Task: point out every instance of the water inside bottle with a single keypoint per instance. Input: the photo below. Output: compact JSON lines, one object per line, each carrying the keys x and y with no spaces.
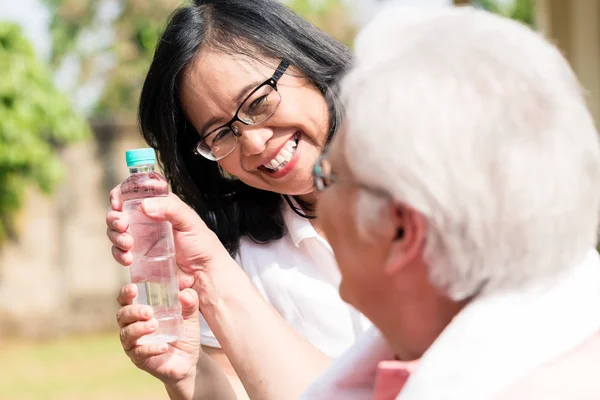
{"x":161,"y":294}
{"x":154,"y":271}
{"x":158,"y":290}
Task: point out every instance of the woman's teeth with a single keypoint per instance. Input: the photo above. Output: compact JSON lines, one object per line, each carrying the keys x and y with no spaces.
{"x":284,"y":156}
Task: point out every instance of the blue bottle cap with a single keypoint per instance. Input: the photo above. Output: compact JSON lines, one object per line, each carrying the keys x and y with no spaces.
{"x":137,"y":157}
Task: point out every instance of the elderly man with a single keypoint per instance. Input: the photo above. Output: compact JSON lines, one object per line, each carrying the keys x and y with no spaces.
{"x":462,"y":201}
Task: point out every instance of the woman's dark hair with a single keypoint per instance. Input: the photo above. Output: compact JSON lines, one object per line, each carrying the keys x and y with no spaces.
{"x":259,"y":29}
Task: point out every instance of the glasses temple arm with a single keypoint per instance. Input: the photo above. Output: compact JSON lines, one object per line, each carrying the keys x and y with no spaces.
{"x":280,"y":70}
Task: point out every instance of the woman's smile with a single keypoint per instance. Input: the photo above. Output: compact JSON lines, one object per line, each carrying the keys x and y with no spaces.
{"x":285,"y":159}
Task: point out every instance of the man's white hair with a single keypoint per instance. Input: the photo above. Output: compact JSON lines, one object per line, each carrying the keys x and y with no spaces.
{"x":480,"y":125}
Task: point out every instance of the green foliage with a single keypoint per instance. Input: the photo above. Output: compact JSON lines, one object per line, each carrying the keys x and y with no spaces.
{"x":137,"y":29}
{"x":69,"y":18}
{"x":35,"y":119}
{"x":331,"y":16}
{"x":521,"y":10}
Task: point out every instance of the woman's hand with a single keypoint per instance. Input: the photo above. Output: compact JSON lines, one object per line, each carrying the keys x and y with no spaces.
{"x":205,"y":263}
{"x":274,"y":363}
{"x":172,"y":363}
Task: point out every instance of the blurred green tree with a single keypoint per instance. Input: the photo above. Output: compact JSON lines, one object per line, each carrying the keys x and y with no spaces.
{"x":35,"y":121}
{"x":331,"y":16}
{"x":136,"y":31}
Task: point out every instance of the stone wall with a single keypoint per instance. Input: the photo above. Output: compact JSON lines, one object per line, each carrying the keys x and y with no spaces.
{"x":59,"y":276}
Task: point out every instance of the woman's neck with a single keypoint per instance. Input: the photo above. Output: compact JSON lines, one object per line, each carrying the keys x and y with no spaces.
{"x":310,"y":200}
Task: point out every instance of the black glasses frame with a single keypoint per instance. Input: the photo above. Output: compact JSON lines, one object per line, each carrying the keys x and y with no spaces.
{"x":272,"y":81}
{"x":322,"y":179}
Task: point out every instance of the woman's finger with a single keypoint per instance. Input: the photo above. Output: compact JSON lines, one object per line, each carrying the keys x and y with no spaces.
{"x":185,"y":280}
{"x":116,"y":201}
{"x":130,"y":314}
{"x":171,"y":208}
{"x":123,"y":241}
{"x":117,"y":221}
{"x":189,"y":304}
{"x":127,"y":294}
{"x":122,"y":257}
{"x":130,"y":334}
{"x":141,"y":353}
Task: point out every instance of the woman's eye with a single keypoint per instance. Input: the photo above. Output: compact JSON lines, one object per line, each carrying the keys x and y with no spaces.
{"x":221,"y":135}
{"x":257,"y":104}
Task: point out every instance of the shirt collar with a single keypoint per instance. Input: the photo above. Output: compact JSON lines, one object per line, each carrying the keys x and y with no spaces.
{"x":499,"y":339}
{"x":353,"y":374}
{"x":391,"y":378}
{"x":298,"y":228}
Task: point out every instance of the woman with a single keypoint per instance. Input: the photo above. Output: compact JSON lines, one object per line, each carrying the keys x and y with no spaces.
{"x":239,"y":101}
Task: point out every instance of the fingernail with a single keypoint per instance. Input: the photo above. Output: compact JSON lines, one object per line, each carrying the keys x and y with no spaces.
{"x":163,"y":347}
{"x":187,"y":296}
{"x":151,"y":206}
{"x":115,"y":224}
{"x":128,"y":258}
{"x":152,"y":324}
{"x":121,"y":241}
{"x":146,"y":313}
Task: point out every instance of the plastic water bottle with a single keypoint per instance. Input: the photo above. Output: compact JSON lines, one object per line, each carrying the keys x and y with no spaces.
{"x":153,"y":270}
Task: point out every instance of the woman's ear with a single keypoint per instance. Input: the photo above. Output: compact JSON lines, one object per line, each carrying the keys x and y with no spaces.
{"x":409,"y":243}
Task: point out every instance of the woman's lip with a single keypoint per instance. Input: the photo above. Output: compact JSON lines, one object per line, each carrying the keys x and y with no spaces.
{"x":288,"y":167}
{"x":261,"y":166}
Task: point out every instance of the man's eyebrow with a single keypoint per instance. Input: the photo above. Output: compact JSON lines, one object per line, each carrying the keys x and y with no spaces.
{"x":238,"y":100}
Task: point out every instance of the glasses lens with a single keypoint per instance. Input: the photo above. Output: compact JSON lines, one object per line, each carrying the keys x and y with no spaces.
{"x":218,"y":144}
{"x":260,"y":105}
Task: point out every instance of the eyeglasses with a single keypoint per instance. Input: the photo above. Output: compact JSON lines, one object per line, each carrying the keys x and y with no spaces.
{"x":256,"y":108}
{"x":323,"y":176}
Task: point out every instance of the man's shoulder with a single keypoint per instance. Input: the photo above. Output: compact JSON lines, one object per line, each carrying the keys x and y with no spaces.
{"x":573,"y":375}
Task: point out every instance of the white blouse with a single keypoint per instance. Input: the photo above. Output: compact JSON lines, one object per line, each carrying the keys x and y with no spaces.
{"x":298,"y":275}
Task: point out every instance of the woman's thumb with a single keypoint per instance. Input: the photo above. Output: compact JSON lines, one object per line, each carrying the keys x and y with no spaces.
{"x":171,"y":208}
{"x":189,"y":304}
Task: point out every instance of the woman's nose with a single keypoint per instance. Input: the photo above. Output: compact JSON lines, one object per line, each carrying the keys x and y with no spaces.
{"x":253,"y":139}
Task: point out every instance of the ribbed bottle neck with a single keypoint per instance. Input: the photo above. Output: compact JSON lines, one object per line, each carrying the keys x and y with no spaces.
{"x":141,"y":168}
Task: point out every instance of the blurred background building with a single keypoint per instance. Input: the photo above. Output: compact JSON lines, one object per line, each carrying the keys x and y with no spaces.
{"x":70,"y":76}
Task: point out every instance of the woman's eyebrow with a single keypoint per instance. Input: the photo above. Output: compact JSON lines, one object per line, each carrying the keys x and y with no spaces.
{"x":243,"y":94}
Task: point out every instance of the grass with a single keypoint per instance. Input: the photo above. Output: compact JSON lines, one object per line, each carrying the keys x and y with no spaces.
{"x":73,"y":368}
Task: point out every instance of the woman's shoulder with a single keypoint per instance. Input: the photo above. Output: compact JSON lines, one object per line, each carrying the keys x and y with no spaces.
{"x":300,"y":249}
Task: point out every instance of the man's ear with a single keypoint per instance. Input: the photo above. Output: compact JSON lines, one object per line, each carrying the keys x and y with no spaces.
{"x":409,"y":242}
